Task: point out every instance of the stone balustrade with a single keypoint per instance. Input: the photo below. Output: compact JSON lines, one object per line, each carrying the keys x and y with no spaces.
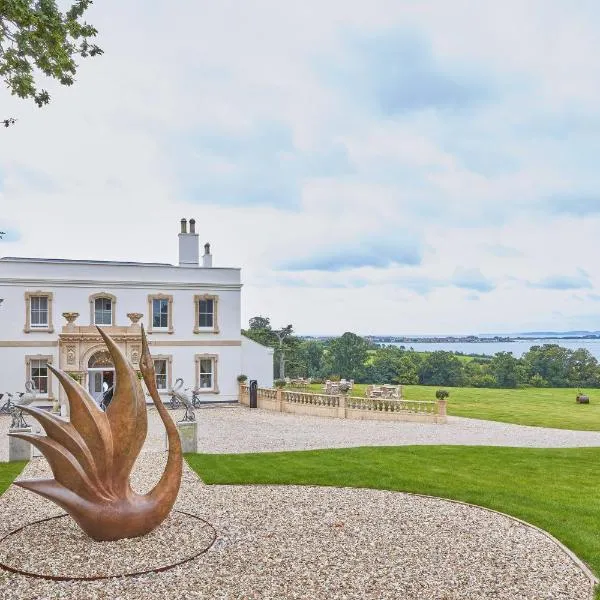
{"x":347,"y":407}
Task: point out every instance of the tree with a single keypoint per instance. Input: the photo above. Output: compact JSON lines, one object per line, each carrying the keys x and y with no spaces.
{"x":259,"y":323}
{"x":311,"y":358}
{"x":385,"y":366}
{"x":285,"y":345}
{"x":504,"y":367}
{"x":582,"y":368}
{"x":441,"y":368}
{"x":348,"y":355}
{"x":281,"y":335}
{"x":36,"y":35}
{"x":550,"y":362}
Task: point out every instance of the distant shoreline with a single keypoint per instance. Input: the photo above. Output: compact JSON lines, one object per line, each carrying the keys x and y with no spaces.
{"x":470,"y":339}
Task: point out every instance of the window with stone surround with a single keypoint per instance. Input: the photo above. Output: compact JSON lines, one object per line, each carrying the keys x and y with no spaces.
{"x":36,"y":370}
{"x":206,"y":314}
{"x":38,"y":312}
{"x":207,"y":373}
{"x":162,"y":370}
{"x":160,"y":313}
{"x":102,"y":309}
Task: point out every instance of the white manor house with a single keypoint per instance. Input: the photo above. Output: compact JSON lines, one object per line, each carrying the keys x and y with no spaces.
{"x":50,"y":310}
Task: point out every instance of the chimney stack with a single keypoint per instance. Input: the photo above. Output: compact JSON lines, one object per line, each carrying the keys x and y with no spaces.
{"x":207,"y":258}
{"x":189,"y":247}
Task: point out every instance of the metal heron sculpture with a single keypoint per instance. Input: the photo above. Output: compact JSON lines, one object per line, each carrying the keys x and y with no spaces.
{"x":184,"y":399}
{"x":91,"y":456}
{"x":25,"y":399}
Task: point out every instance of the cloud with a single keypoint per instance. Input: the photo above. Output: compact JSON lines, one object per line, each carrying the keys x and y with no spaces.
{"x":472,"y":279}
{"x":302,"y":282}
{"x":305,"y":140}
{"x":564,"y":282}
{"x":11,"y":233}
{"x":502,"y":251}
{"x":420,"y":284}
{"x":361,"y":253}
{"x":398,"y":72}
{"x":573,"y":205}
{"x":256,"y":166}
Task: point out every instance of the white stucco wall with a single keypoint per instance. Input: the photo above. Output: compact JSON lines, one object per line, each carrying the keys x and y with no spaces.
{"x":72,"y":284}
{"x":257,"y":362}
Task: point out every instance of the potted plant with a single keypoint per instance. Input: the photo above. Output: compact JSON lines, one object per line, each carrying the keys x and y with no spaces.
{"x":442,"y":394}
{"x":279,"y":383}
{"x":242,"y":378}
{"x":582,"y":398}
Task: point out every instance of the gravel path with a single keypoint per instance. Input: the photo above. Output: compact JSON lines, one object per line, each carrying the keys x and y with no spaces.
{"x":241,"y":429}
{"x":237,"y":428}
{"x":305,"y":542}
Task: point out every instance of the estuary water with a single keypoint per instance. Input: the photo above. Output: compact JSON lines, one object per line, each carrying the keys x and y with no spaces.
{"x":518,"y":347}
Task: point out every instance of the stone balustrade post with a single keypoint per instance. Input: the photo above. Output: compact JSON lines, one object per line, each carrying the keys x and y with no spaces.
{"x":441,"y":409}
{"x":341,"y":411}
{"x":279,"y":398}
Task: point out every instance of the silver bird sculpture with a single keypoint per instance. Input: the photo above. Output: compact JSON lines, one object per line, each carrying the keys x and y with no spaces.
{"x":25,"y":399}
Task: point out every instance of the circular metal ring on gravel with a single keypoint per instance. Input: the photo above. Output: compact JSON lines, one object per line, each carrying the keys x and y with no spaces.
{"x":158,"y":569}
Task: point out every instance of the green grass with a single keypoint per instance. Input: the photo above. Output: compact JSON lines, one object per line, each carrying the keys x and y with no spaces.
{"x":544,"y":407}
{"x":555,"y":489}
{"x":8,"y":472}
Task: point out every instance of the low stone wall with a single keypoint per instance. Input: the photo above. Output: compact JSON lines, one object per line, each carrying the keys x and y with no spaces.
{"x":347,"y":407}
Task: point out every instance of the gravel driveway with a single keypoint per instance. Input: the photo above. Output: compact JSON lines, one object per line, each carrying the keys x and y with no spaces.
{"x":235,"y":428}
{"x":240,"y":429}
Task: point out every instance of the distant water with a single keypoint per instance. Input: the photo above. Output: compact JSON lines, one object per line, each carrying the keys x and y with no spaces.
{"x":518,"y":347}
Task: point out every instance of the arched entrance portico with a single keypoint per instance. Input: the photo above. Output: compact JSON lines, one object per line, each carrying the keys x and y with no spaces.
{"x":101,"y":373}
{"x":83,"y":353}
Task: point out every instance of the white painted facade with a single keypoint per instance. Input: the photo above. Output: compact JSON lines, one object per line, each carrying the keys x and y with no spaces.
{"x":207,"y":350}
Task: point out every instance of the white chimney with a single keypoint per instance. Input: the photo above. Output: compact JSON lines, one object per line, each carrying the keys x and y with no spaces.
{"x":189,"y":247}
{"x":207,"y":258}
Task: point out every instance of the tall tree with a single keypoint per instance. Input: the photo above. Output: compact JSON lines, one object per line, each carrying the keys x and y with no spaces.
{"x":311,"y":358}
{"x":259,"y":323}
{"x":348,"y":355}
{"x":36,"y":36}
{"x":282,"y":340}
{"x":441,"y":368}
{"x":582,"y":368}
{"x":504,"y":367}
{"x":550,"y":362}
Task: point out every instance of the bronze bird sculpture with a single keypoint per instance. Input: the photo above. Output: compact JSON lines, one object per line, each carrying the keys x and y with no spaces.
{"x":91,"y":456}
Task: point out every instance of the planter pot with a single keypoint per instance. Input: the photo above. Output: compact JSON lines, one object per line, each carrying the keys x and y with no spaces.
{"x":581,"y":399}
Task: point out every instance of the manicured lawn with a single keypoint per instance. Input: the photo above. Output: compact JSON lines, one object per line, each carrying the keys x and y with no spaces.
{"x":555,"y":489}
{"x":8,"y":472}
{"x":545,"y":407}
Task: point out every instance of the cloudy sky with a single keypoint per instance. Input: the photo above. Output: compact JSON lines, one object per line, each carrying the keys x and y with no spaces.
{"x":390,"y":166}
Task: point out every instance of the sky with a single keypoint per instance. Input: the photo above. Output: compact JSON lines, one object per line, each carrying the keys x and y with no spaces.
{"x":381,"y":167}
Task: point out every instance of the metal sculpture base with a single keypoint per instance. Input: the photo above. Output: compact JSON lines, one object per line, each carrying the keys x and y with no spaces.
{"x":87,"y":566}
{"x":19,"y":449}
